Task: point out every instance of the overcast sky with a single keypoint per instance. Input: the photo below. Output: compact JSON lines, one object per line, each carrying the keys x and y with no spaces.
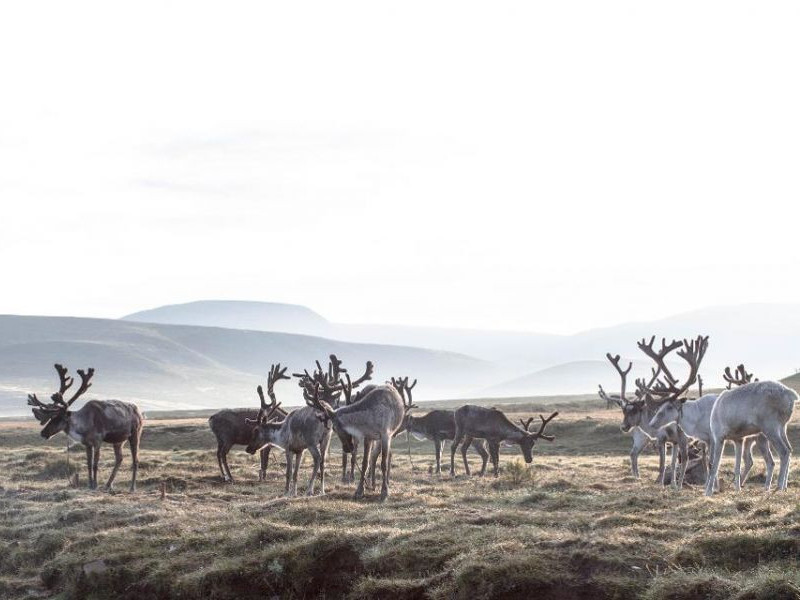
{"x":547,"y":166}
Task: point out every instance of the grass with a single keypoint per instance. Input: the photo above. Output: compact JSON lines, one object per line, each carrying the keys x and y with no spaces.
{"x":575,"y":525}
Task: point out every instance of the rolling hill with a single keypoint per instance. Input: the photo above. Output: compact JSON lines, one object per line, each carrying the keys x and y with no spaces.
{"x":180,"y":366}
{"x":764,"y":336}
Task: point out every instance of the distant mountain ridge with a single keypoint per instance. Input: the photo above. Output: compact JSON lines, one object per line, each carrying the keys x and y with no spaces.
{"x":237,"y":314}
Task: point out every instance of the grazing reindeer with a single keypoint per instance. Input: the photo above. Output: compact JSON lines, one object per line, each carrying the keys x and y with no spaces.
{"x":755,"y":407}
{"x":231,"y":426}
{"x":694,"y":419}
{"x":333,"y":375}
{"x":636,"y":415}
{"x":439,"y":426}
{"x":98,"y":421}
{"x":299,"y":431}
{"x":376,"y":417}
{"x":493,"y":426}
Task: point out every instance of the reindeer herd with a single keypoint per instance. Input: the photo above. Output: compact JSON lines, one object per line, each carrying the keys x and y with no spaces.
{"x":370,"y":416}
{"x":747,"y":413}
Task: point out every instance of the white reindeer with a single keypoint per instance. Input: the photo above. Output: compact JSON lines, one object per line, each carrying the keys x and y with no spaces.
{"x":694,"y":418}
{"x":759,"y":407}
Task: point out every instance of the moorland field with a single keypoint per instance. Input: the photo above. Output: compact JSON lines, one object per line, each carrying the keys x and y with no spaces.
{"x":574,"y":525}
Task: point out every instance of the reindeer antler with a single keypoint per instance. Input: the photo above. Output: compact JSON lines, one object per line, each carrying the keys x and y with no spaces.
{"x":540,"y":434}
{"x":85,"y":376}
{"x":692,"y":352}
{"x":65,"y":382}
{"x":623,"y":374}
{"x":742,"y":376}
{"x":526,"y":424}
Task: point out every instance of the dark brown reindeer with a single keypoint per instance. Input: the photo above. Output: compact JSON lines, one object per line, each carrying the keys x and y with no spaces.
{"x":111,"y":421}
{"x":376,"y":417}
{"x":231,"y":428}
{"x":439,"y":426}
{"x":331,"y":377}
{"x":493,"y":426}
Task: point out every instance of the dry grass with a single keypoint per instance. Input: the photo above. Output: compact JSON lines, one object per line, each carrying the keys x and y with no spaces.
{"x":576,"y":526}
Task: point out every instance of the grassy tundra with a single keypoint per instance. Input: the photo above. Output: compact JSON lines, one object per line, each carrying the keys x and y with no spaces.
{"x":576,"y":525}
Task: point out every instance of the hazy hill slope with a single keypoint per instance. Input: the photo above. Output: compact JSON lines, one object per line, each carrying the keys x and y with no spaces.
{"x":565,"y":378}
{"x":175,"y":366}
{"x":764,"y":336}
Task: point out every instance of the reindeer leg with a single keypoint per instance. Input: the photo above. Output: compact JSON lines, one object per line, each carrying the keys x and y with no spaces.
{"x":494,"y":451}
{"x":717,"y":446}
{"x":778,"y":439}
{"x":385,"y":458}
{"x":464,"y":447}
{"x":453,"y":447}
{"x":89,"y":459}
{"x":117,"y":463}
{"x":364,"y":465}
{"x":134,"y":444}
{"x":228,"y":476}
{"x":747,"y":455}
{"x":373,"y":461}
{"x":288,"y":472}
{"x":353,"y":459}
{"x":737,"y":474}
{"x":481,"y":449}
{"x":437,"y":448}
{"x":344,"y":467}
{"x":769,"y":460}
{"x":262,"y":474}
{"x":298,"y":456}
{"x":674,"y":464}
{"x":323,"y":451}
{"x":317,"y":458}
{"x":95,"y":464}
{"x":220,"y":453}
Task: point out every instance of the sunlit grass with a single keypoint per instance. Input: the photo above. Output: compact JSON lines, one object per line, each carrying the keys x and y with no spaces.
{"x":576,"y":524}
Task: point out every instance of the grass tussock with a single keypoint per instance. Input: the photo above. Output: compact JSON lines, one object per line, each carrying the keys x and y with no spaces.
{"x":574,"y":524}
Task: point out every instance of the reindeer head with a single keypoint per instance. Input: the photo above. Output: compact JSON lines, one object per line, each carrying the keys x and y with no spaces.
{"x":662,"y":386}
{"x":401,"y":385}
{"x":670,"y":411}
{"x":529,"y":440}
{"x":262,"y":432}
{"x":55,"y":416}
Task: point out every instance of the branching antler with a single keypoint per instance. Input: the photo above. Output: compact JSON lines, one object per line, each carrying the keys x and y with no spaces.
{"x":692,"y":352}
{"x":623,"y":375}
{"x":65,"y":382}
{"x":526,"y":424}
{"x":85,"y":376}
{"x":541,"y":434}
{"x":740,"y":378}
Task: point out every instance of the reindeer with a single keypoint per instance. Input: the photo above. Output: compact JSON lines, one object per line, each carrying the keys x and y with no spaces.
{"x":98,"y":421}
{"x":231,"y":426}
{"x":493,"y":426}
{"x":439,"y":426}
{"x":694,"y":418}
{"x":755,"y":407}
{"x":376,"y":417}
{"x":299,"y":431}
{"x":332,"y":376}
{"x":636,"y":414}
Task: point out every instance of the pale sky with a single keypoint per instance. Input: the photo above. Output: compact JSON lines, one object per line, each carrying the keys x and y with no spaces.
{"x":545,"y":166}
